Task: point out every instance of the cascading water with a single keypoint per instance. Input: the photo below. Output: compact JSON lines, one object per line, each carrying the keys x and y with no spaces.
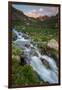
{"x":34,"y":58}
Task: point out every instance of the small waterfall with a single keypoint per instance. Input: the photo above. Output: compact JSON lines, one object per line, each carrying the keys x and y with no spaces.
{"x":45,"y":74}
{"x":34,"y":58}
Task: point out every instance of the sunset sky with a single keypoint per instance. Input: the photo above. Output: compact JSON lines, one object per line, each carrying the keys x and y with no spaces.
{"x":36,"y":11}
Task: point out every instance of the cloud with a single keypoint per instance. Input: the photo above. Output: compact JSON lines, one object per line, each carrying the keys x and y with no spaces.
{"x":34,"y":10}
{"x":33,"y":14}
{"x":40,"y":10}
{"x":49,"y":11}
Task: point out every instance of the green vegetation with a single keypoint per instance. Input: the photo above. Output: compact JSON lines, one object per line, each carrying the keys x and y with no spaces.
{"x":15,"y":50}
{"x":39,"y":34}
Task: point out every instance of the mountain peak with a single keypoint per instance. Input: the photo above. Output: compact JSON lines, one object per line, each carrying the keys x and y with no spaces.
{"x":43,"y":17}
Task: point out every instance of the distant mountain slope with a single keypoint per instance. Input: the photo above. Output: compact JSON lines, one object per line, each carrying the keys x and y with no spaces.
{"x":18,"y":16}
{"x":42,"y":18}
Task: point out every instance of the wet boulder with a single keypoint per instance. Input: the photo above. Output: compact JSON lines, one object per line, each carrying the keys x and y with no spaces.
{"x":53,"y":44}
{"x":22,"y":60}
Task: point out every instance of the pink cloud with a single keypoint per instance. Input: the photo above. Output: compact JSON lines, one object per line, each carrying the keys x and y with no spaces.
{"x":42,"y":11}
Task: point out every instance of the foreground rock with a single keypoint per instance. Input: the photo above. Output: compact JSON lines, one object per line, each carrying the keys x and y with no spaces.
{"x":53,"y":44}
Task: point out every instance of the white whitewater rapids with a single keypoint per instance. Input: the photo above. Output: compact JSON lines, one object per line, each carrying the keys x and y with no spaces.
{"x":34,"y":58}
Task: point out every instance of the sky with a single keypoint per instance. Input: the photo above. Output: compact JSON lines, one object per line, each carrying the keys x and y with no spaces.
{"x":36,"y":11}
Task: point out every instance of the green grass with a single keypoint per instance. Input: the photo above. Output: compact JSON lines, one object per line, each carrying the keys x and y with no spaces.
{"x":38,"y":33}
